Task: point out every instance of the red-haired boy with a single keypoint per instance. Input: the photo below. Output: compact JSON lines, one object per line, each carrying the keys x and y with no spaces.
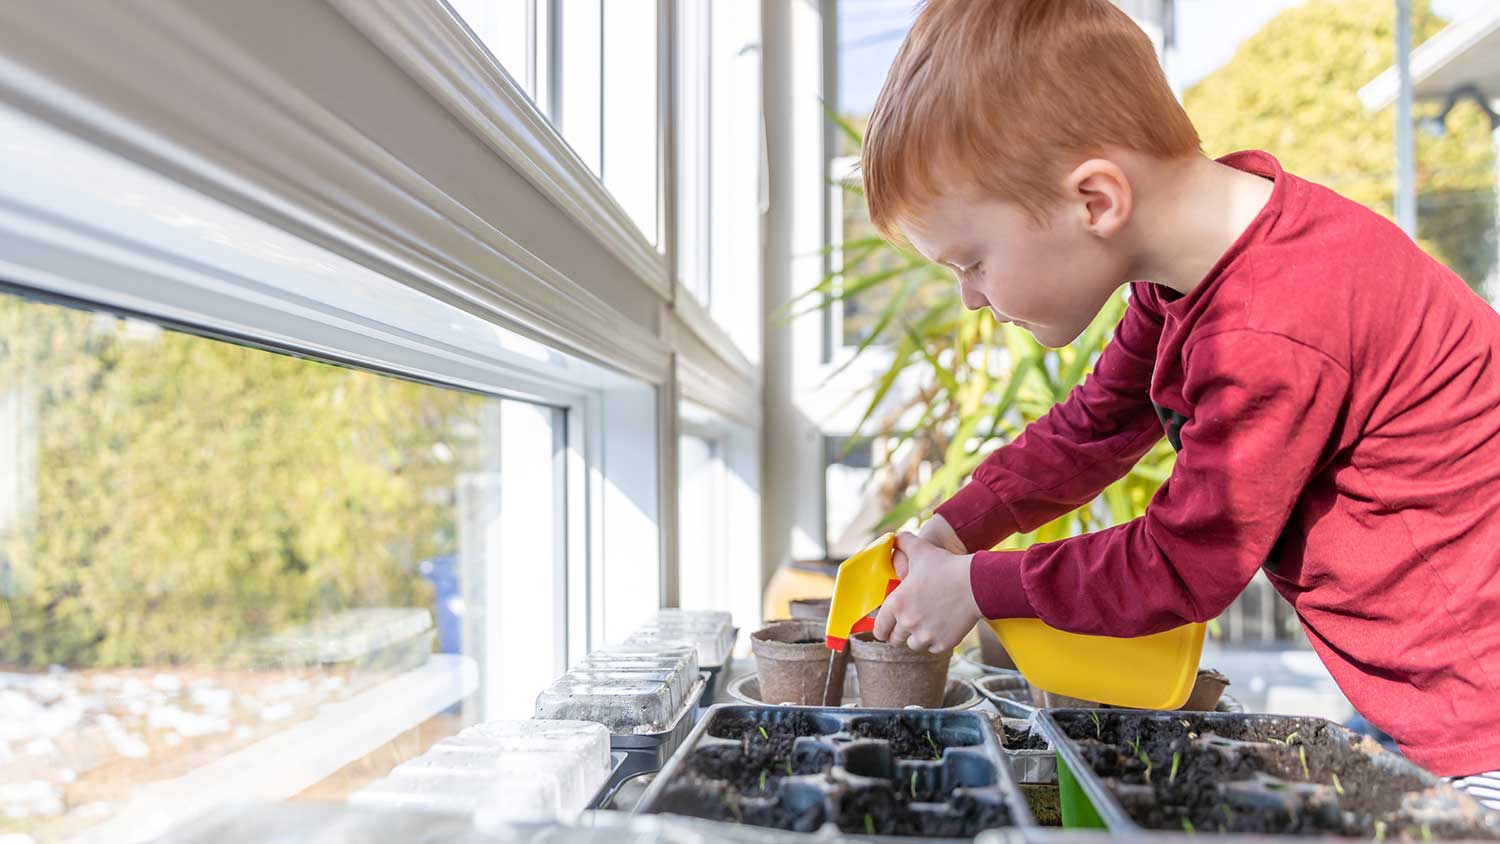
{"x":1333,"y":392}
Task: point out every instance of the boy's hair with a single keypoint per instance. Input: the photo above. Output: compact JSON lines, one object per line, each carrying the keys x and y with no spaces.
{"x":1008,"y":96}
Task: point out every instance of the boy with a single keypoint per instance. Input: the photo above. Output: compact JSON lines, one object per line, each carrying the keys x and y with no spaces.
{"x":1333,"y":392}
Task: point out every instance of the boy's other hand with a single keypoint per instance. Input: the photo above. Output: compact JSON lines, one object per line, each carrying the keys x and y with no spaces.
{"x":937,"y":531}
{"x":933,"y":609}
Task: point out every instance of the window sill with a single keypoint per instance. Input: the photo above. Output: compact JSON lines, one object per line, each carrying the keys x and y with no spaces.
{"x":299,"y":757}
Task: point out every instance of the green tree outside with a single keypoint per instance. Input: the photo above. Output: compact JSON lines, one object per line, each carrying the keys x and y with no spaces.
{"x":192,"y":495}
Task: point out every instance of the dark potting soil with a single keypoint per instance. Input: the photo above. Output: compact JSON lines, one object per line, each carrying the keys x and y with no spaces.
{"x":907,"y":742}
{"x":1023,"y":740}
{"x":701,"y":800}
{"x":1185,"y":773}
{"x":793,"y":725}
{"x":879,"y":810}
{"x":756,"y":765}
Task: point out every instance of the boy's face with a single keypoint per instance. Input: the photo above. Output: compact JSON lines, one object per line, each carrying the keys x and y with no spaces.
{"x":1050,"y":279}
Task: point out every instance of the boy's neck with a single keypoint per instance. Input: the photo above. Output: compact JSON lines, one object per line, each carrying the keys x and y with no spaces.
{"x":1197,"y":211}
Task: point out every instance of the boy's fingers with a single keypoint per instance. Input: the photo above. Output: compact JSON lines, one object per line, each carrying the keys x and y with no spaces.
{"x":901,"y":562}
{"x":885,"y":622}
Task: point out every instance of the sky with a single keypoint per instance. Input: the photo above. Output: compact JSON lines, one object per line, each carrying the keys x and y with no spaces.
{"x":1209,"y":31}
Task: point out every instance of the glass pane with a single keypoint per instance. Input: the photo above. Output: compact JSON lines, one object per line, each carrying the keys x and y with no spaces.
{"x":211,"y":553}
{"x":869,"y":34}
{"x":507,"y":28}
{"x":580,"y":32}
{"x":702,"y":563}
{"x":630,"y":109}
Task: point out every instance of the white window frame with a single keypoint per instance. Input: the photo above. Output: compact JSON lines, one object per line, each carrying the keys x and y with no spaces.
{"x":440,"y":52}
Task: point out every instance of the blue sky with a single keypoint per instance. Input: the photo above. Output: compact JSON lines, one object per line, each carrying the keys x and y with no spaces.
{"x":1209,"y":31}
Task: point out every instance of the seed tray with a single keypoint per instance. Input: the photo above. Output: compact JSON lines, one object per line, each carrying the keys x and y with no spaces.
{"x":1254,"y":775}
{"x":1008,"y":691}
{"x":869,"y":772}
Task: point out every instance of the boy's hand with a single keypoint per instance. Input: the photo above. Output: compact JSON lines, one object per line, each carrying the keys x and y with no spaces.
{"x":933,"y":609}
{"x":937,"y":531}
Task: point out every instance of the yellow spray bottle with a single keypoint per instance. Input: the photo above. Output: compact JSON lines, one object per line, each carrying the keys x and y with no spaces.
{"x":1145,"y":672}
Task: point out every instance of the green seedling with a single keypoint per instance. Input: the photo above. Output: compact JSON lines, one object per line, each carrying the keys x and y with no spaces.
{"x":936,"y":754}
{"x":1187,"y":826}
{"x":1141,"y":755}
{"x":869,"y":824}
{"x":1098,"y":730}
{"x":732,"y":801}
{"x":1337,"y":786}
{"x":763,"y":734}
{"x":914,"y":784}
{"x":1228,"y":813}
{"x":1379,"y":831}
{"x":1426,"y":834}
{"x":1302,"y":754}
{"x":762,"y":780}
{"x":789,"y":766}
{"x":1176,"y":760}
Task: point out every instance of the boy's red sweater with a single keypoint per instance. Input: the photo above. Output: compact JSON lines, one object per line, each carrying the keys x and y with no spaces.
{"x":1335,"y":396}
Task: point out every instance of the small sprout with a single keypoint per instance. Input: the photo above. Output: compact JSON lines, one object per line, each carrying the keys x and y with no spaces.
{"x":1426,"y":834}
{"x":762,"y":780}
{"x":732,"y":801}
{"x":1098,"y":729}
{"x":1147,"y":759}
{"x":869,"y":824}
{"x":1379,"y":831}
{"x":914,"y":785}
{"x":1192,"y":735}
{"x":763,"y":733}
{"x":1291,"y":737}
{"x":1184,"y":723}
{"x":1176,"y":760}
{"x":1187,"y":826}
{"x":936,"y":754}
{"x":1135,"y":745}
{"x":1338,"y":786}
{"x":1302,"y":754}
{"x":1228,"y":813}
{"x":789,"y":766}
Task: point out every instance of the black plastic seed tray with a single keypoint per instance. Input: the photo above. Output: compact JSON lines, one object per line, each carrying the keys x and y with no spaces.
{"x":1255,"y":775}
{"x":869,"y":772}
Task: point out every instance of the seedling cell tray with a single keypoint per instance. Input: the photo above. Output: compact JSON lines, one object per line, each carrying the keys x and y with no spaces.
{"x":868,"y":772}
{"x":1254,"y":775}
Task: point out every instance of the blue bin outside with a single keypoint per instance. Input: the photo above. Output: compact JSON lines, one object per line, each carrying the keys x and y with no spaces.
{"x":442,"y":573}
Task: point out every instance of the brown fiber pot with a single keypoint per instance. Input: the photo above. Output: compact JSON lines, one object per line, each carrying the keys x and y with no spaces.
{"x":811,"y":609}
{"x":1206,"y":692}
{"x":893,"y":676}
{"x":790,"y":672}
{"x":991,"y":652}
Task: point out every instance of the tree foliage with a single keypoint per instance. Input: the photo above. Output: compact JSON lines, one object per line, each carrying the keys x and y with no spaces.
{"x":1293,"y":89}
{"x":192,"y":494}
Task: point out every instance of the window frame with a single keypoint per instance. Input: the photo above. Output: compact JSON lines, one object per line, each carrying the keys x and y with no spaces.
{"x":434,"y":45}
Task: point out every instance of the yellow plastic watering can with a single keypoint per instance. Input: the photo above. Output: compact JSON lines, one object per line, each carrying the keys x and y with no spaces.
{"x":1147,"y":672}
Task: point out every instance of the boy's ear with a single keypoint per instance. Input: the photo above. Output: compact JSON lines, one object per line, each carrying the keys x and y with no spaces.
{"x":1100,"y":191}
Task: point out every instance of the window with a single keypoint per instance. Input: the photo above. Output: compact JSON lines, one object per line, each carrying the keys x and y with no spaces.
{"x":718,"y":522}
{"x":214,"y":547}
{"x":250,"y":489}
{"x":719,"y":159}
{"x":869,"y":33}
{"x":591,"y":67}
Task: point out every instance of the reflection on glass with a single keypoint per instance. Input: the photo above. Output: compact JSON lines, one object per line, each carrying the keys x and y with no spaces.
{"x":208,"y":549}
